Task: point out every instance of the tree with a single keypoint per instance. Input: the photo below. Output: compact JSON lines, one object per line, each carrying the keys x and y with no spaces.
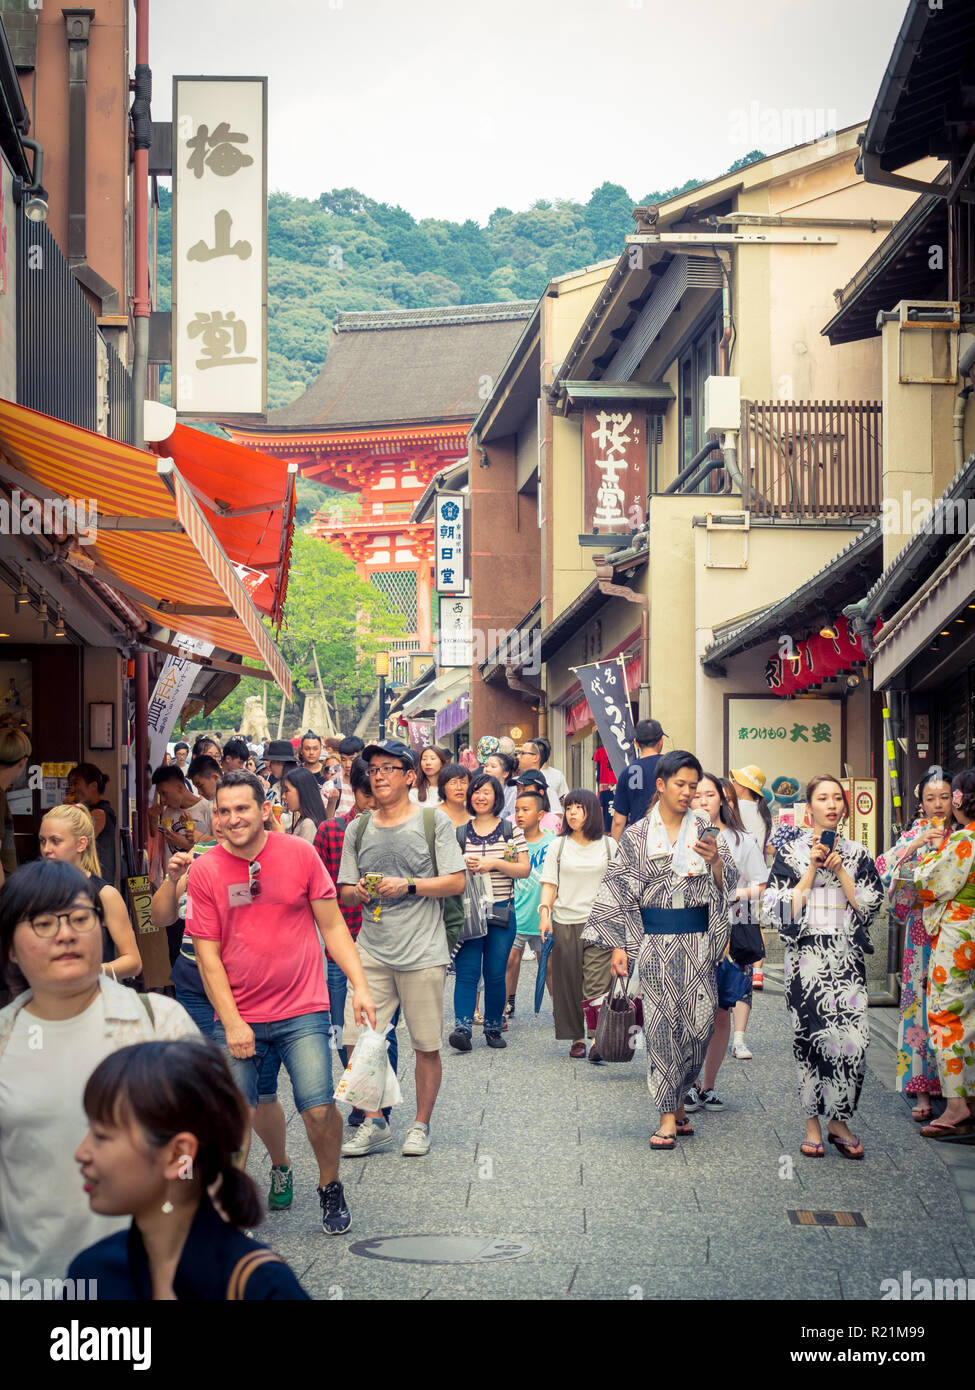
{"x":329,"y":607}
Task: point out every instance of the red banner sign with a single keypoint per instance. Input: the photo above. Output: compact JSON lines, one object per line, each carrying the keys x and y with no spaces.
{"x":799,"y":665}
{"x":615,"y":461}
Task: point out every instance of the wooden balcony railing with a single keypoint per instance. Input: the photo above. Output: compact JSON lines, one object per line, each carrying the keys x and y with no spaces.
{"x":815,"y":459}
{"x":365,"y":514}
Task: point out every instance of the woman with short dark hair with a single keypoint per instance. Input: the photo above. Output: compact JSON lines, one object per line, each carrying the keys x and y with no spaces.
{"x":572,"y":875}
{"x":663,"y":908}
{"x":51,"y":951}
{"x":495,"y":850}
{"x":166,"y":1123}
{"x":301,"y":795}
{"x":86,"y":787}
{"x":946,"y":880}
{"x":503,"y":766}
{"x":453,"y":781}
{"x":823,"y":893}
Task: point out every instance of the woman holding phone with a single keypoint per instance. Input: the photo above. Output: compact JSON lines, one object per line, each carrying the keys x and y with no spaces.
{"x":823,"y":893}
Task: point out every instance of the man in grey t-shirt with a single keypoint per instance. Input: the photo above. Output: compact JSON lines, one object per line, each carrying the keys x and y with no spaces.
{"x":402,"y":944}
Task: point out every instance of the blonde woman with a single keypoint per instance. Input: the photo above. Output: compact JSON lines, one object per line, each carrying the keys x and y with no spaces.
{"x":67,"y":834}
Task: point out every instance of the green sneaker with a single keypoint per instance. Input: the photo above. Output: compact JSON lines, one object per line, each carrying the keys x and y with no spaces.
{"x":282,"y":1187}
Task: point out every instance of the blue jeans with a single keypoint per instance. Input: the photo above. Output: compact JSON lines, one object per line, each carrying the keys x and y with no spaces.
{"x":203,"y":1014}
{"x":488,"y":953}
{"x":338,"y":988}
{"x":303,"y":1044}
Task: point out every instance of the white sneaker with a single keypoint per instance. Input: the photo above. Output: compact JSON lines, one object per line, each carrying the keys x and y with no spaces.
{"x":417,"y":1141}
{"x":367,"y":1139}
{"x":741,"y":1051}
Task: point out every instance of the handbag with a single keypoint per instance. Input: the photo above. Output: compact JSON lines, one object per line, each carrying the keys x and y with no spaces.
{"x":732,"y":984}
{"x":747,"y":944}
{"x":616,"y":1026}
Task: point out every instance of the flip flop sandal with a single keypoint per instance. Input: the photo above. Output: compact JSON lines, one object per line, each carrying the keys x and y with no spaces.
{"x":811,"y":1150}
{"x":843,"y":1146}
{"x":938,"y":1129}
{"x":662,"y":1148}
{"x":685,"y":1128}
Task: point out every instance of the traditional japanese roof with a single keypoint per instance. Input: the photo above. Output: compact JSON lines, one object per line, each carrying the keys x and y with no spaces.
{"x":842,"y":580}
{"x":404,"y":366}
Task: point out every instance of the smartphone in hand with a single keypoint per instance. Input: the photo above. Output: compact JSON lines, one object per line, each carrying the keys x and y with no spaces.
{"x":828,"y":838}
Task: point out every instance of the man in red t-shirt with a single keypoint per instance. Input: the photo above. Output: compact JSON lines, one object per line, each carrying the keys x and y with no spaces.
{"x":256,"y":905}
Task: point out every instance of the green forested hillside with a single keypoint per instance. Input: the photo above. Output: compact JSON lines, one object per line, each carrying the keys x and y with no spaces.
{"x":344,"y":251}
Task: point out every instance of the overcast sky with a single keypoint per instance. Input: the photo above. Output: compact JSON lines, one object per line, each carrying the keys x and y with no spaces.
{"x":452,"y":108}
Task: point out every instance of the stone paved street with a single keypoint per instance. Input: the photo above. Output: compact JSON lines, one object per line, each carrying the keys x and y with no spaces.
{"x":530,"y":1145}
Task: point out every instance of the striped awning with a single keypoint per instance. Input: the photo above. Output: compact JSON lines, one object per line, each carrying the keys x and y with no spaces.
{"x":151,"y":541}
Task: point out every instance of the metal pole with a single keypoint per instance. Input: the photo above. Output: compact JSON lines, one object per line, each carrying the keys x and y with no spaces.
{"x":141,"y":750}
{"x":382,"y":708}
{"x":141,"y":303}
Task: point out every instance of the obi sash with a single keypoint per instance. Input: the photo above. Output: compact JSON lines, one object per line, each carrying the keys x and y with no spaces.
{"x":673,"y":921}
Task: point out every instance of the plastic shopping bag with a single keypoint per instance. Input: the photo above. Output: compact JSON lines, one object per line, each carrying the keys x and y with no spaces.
{"x":365,"y":1081}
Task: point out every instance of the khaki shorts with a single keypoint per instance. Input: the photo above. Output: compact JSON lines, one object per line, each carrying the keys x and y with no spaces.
{"x":418,"y":992}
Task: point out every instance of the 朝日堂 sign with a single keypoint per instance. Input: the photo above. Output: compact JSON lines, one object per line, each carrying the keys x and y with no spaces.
{"x":448,"y":536}
{"x":615,"y":463}
{"x":219,"y":245}
{"x":793,"y":741}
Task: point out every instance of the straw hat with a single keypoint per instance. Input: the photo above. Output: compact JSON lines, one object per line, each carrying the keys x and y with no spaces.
{"x":750,"y":776}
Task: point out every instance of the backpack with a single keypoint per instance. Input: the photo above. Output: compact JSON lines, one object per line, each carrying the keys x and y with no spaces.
{"x":452,"y":908}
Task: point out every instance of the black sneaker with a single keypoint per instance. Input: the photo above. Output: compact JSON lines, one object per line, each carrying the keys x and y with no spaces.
{"x":460,"y":1039}
{"x":710,"y":1101}
{"x":493,"y":1038}
{"x":336,"y":1217}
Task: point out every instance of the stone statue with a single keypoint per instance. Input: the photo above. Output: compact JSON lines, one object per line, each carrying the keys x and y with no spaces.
{"x":253,"y":726}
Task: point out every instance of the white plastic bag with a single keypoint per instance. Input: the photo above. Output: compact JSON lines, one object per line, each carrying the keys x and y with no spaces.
{"x":365,"y":1081}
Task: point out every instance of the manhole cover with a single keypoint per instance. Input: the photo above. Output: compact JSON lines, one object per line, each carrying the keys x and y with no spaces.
{"x":441,"y":1250}
{"x":827,"y":1218}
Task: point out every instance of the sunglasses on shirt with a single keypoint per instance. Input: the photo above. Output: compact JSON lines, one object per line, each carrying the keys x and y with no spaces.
{"x":254,"y":878}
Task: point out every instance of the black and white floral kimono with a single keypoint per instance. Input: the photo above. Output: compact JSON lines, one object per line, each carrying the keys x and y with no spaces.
{"x":648,"y":886}
{"x":825,"y":977}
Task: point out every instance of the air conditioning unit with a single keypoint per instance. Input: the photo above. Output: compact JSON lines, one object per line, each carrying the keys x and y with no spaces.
{"x":722,"y":404}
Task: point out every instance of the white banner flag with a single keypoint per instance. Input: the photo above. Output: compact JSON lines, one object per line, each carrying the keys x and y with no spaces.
{"x":168,"y":698}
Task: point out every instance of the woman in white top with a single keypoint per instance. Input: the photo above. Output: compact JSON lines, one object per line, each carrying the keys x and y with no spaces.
{"x":432,"y":762}
{"x":572,"y":875}
{"x":301,"y":795}
{"x":52,"y":1036}
{"x":749,"y":783}
{"x":712,"y":799}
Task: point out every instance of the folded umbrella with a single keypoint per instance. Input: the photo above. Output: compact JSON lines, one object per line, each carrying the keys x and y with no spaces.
{"x":547,"y":945}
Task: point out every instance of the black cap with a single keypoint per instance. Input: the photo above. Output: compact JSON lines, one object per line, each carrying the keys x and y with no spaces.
{"x":648,"y":732}
{"x":394,"y":748}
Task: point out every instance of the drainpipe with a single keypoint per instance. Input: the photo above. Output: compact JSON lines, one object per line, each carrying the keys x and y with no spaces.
{"x":604,"y":576}
{"x":966,"y":363}
{"x":723,"y":362}
{"x":142,"y":139}
{"x":78,"y":27}
{"x":141,"y":749}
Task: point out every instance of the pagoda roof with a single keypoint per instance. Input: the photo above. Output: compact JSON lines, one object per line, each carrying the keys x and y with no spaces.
{"x":407,"y":366}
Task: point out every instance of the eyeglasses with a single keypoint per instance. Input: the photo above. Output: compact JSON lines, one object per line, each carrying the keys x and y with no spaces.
{"x":254,"y":878}
{"x":47,"y":924}
{"x":385,"y":770}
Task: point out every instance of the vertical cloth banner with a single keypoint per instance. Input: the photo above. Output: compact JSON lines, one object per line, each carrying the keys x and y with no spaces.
{"x":604,"y":686}
{"x":169,"y":696}
{"x":421,"y":735}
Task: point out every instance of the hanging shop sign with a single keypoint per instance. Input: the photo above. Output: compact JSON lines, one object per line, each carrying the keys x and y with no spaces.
{"x":800,"y":665}
{"x":174,"y":684}
{"x":604,"y":686}
{"x":448,"y":530}
{"x":455,"y":637}
{"x":788,"y":750}
{"x":615,"y":468}
{"x":420,"y":733}
{"x":219,"y":290}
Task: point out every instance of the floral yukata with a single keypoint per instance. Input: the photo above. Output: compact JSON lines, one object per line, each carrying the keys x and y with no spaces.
{"x":825,"y":978}
{"x":676,"y":971}
{"x":917,"y":1067}
{"x":946,"y":880}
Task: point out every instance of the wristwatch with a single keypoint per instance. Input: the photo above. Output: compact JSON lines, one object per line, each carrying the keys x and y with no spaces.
{"x":411,"y":887}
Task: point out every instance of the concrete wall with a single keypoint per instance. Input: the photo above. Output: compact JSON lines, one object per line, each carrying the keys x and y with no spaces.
{"x":107,"y":145}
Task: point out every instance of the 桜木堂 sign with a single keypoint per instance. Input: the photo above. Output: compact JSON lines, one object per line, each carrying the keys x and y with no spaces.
{"x":615,"y":467}
{"x":219,"y":246}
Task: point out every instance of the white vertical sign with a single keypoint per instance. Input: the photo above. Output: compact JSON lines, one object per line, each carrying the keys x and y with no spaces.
{"x":456,"y":635}
{"x":169,"y":696}
{"x":448,"y":535}
{"x":220,"y":246}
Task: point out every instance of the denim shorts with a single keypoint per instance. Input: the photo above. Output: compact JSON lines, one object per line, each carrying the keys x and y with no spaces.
{"x":202,"y":1012}
{"x":303,"y":1044}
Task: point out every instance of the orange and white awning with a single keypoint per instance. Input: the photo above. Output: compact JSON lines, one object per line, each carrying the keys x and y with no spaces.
{"x":151,"y":541}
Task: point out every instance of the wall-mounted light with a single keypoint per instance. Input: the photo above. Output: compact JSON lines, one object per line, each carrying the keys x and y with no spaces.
{"x":22,"y":595}
{"x":829,"y":632}
{"x":59,"y":626}
{"x":32,"y":195}
{"x":852,"y":681}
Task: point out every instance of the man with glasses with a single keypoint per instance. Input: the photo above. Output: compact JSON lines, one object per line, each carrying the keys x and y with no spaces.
{"x":256,"y":905}
{"x":402,"y":944}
